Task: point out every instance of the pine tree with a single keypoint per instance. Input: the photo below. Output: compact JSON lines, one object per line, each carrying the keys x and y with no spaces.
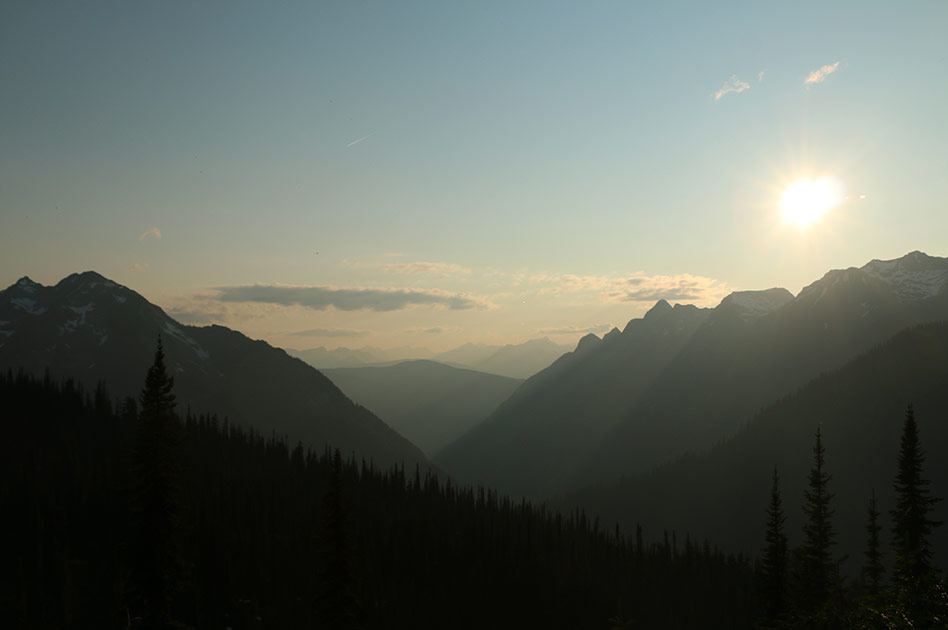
{"x":818,"y":571}
{"x":872,"y":571}
{"x":913,"y":574}
{"x":774,"y":563}
{"x":154,"y":561}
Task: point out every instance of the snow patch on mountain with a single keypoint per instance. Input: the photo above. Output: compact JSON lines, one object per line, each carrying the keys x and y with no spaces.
{"x":755,"y":304}
{"x":913,"y":277}
{"x":28,"y":305}
{"x":179,"y":334}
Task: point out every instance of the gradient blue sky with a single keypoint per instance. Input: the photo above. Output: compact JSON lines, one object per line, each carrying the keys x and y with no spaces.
{"x":488,"y":171}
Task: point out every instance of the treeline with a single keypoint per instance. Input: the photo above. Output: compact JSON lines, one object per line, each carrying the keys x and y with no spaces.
{"x":130,"y":515}
{"x":804,"y":587}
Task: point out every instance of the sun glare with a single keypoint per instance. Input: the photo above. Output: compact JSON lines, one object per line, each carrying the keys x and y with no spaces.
{"x":807,"y":200}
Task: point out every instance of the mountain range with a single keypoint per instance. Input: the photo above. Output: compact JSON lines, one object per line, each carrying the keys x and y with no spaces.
{"x":92,"y":329}
{"x":683,"y":378}
{"x":512,"y":360}
{"x":430,"y":403}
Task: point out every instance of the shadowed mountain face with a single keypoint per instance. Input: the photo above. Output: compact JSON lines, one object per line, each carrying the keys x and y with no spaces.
{"x":90,"y":328}
{"x":429,"y":403}
{"x":723,"y":494}
{"x":683,"y":378}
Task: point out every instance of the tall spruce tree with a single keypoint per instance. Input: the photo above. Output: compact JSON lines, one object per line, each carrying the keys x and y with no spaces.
{"x":818,"y":571}
{"x":774,"y":563}
{"x":872,"y":571}
{"x":154,"y":561}
{"x":913,"y":575}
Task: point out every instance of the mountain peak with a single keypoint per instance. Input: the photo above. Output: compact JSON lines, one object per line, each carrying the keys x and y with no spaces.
{"x":915,"y":275}
{"x":90,"y":279}
{"x":588,"y":342}
{"x":27,"y":285}
{"x":661,"y":308}
{"x":753,"y":304}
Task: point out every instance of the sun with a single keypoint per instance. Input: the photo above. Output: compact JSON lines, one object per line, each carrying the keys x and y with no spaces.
{"x":805,"y":201}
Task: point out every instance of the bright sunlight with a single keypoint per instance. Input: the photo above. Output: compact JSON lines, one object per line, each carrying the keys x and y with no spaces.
{"x":806,"y":200}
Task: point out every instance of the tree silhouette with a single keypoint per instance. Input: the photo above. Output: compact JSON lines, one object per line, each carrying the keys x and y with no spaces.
{"x":154,"y":562}
{"x":774,"y":562}
{"x":913,"y":575}
{"x":818,"y":571}
{"x":872,"y":571}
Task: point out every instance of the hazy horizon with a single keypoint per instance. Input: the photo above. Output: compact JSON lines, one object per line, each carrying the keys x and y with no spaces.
{"x":354,"y":175}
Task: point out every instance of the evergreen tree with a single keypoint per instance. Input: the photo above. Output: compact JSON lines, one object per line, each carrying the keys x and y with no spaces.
{"x":818,"y":571}
{"x":337,"y":600}
{"x":774,"y":563}
{"x":913,"y":575}
{"x":872,"y":571}
{"x":154,"y":562}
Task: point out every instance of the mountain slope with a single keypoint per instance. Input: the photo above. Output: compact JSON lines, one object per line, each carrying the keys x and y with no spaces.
{"x":91,"y":328}
{"x":723,"y":494}
{"x":429,"y":403}
{"x":734,"y":365}
{"x":533,"y":442}
{"x":684,"y":378}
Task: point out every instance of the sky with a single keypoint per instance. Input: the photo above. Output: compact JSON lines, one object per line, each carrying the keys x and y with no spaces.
{"x":427,"y":174}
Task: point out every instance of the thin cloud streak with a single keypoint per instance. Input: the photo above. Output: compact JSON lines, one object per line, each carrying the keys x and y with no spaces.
{"x":354,"y":142}
{"x":346,"y":299}
{"x":328,"y":332}
{"x":572,"y":330}
{"x":153,"y":231}
{"x":731,"y":85}
{"x":818,"y":76}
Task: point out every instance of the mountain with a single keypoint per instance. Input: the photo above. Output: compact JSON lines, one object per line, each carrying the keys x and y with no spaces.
{"x":521,"y":360}
{"x":341,"y":357}
{"x":91,"y":328}
{"x":514,"y":360}
{"x":430,"y":403}
{"x":723,"y":493}
{"x":321,"y":358}
{"x":533,"y":443}
{"x":683,"y":378}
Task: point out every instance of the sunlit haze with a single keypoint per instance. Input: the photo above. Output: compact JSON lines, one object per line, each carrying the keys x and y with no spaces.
{"x":429,"y":174}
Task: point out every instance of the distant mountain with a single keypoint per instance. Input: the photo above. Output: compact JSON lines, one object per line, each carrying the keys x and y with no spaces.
{"x":723,"y":494}
{"x":92,"y":329}
{"x":430,"y":403}
{"x":534,"y":442}
{"x":683,"y":378}
{"x":522,"y":360}
{"x":514,"y":360}
{"x":321,"y":358}
{"x":341,"y":357}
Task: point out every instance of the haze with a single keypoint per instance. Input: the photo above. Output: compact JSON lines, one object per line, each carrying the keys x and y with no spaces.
{"x":429,"y":175}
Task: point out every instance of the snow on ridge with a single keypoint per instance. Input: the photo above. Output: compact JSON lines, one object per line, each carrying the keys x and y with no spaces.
{"x":755,"y":304}
{"x":178,"y":334}
{"x":907,"y":282}
{"x":28,"y":305}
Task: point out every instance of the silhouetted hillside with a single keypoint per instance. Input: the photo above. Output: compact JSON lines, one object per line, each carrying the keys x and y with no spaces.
{"x":723,"y":494}
{"x":93,"y":329}
{"x":430,"y":403}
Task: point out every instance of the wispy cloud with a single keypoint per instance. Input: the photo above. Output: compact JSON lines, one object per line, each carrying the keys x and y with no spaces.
{"x":416,"y":268}
{"x":698,"y":290}
{"x":153,"y":231}
{"x":137,"y":268}
{"x":354,"y":142}
{"x":760,"y":75}
{"x":637,"y":287}
{"x":818,"y":76}
{"x":731,"y":85}
{"x":346,"y":299}
{"x":329,"y":332}
{"x":408,"y":268}
{"x":573,"y":330}
{"x":198,"y":314}
{"x":435,"y":330}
